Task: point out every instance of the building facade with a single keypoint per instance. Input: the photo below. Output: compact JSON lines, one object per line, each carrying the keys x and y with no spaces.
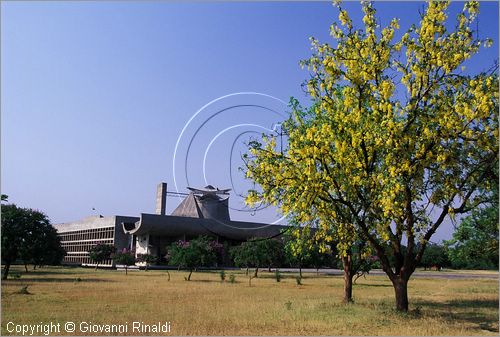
{"x":203,"y":211}
{"x":78,"y":237}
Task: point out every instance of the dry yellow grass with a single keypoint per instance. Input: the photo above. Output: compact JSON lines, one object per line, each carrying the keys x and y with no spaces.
{"x":206,"y":306}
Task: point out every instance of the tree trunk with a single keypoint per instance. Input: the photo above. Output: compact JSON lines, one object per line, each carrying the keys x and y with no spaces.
{"x":401,"y":291}
{"x":269,"y":269}
{"x":300,"y":271}
{"x":256,"y":271}
{"x":246,"y":272}
{"x":97,"y":265}
{"x":26,"y":267}
{"x":348,"y":288}
{"x":6,"y":271}
{"x":189,"y":276}
{"x":126,"y":270}
{"x":348,"y":275}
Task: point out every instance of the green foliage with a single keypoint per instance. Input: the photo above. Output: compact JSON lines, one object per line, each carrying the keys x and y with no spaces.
{"x":124,"y":257}
{"x":304,"y":249}
{"x":147,"y":259}
{"x":198,"y":252}
{"x":435,"y":256}
{"x":13,"y":232}
{"x":42,"y":246}
{"x":358,"y":261}
{"x":258,"y":253}
{"x":101,"y":252}
{"x":397,"y":139}
{"x":28,"y":235}
{"x":474,"y":244}
{"x":222,"y":275}
{"x":232,"y":278}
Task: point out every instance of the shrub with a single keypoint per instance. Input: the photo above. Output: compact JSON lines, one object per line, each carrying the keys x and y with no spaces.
{"x":198,"y":252}
{"x":124,"y":257}
{"x":100,"y":253}
{"x":147,"y":259}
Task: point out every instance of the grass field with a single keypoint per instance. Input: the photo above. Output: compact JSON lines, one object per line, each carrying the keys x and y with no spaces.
{"x":207,"y":306}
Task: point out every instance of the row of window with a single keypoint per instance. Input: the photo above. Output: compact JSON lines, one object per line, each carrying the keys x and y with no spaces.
{"x":78,"y":243}
{"x":83,"y":259}
{"x":88,"y":234}
{"x":83,"y":246}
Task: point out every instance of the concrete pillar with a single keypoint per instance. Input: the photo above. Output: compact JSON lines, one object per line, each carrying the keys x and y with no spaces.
{"x":141,"y":247}
{"x":161,"y":199}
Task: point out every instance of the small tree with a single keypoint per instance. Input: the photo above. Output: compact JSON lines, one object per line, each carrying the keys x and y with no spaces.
{"x":100,"y":253}
{"x":193,"y":254}
{"x":124,"y":257}
{"x":257,"y":253}
{"x":243,"y":256}
{"x":147,"y":259}
{"x":297,"y":247}
{"x":274,"y":253}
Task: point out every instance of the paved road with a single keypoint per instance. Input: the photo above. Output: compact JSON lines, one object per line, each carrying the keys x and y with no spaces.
{"x":338,"y":272}
{"x":419,"y":274}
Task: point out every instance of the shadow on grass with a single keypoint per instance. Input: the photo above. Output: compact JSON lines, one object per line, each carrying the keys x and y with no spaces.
{"x":44,"y":272}
{"x":372,"y":285}
{"x":468,"y":311}
{"x":478,"y":303}
{"x":55,"y":279}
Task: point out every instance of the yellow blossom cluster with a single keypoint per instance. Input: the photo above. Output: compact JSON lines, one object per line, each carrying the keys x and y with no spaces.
{"x":395,"y":125}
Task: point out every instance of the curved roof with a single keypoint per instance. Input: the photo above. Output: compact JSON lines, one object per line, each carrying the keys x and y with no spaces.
{"x":209,"y":189}
{"x":170,"y":225}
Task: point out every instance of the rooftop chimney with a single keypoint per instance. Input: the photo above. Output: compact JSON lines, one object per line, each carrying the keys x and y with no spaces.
{"x":161,"y":198}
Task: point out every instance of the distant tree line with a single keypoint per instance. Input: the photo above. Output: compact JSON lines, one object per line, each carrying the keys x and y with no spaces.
{"x":29,"y":238}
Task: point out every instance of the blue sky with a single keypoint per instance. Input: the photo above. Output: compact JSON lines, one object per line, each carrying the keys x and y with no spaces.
{"x":94,"y":95}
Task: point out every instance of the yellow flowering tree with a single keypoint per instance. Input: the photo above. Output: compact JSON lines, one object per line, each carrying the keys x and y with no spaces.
{"x":398,"y":138}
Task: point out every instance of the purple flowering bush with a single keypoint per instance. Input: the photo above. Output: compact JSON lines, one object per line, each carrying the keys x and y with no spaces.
{"x":148,"y":259}
{"x":124,"y":257}
{"x":199,"y":252}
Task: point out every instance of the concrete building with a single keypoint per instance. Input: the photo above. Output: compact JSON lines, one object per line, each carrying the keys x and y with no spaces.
{"x":79,"y":236}
{"x":203,"y":211}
